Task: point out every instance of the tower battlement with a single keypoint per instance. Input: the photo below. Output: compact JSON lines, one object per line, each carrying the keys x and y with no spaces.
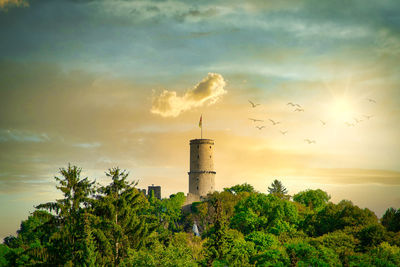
{"x":202,"y":141}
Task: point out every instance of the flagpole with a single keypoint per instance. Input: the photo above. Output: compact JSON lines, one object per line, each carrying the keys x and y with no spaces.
{"x":201,"y":126}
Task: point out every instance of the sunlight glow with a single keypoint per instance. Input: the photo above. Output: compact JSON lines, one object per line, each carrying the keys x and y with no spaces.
{"x":342,"y":110}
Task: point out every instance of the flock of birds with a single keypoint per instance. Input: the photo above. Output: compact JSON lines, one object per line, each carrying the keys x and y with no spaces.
{"x":299,"y":108}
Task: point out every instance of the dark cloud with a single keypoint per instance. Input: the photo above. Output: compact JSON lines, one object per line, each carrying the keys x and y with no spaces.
{"x":196,"y":13}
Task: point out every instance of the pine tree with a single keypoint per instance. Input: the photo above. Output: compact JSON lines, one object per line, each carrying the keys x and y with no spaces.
{"x":66,"y":244}
{"x":123,"y":225}
{"x":89,"y":252}
{"x":278,"y":189}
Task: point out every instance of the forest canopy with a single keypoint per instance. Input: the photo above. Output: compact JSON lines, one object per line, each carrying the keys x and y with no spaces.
{"x":117,"y":225}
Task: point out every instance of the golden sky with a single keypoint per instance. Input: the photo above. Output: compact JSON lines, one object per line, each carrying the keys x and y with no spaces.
{"x":102,"y":84}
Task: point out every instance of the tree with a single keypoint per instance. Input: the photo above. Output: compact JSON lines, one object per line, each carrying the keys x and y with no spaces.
{"x":89,"y":253}
{"x":68,"y":242}
{"x":262,"y":240}
{"x":371,"y":235}
{"x":302,"y":253}
{"x":385,"y":255}
{"x":182,"y":250}
{"x":391,"y":220}
{"x":278,"y":190}
{"x":341,"y":243}
{"x":219,"y":242}
{"x":240,"y":188}
{"x":205,"y":212}
{"x":116,"y":225}
{"x":260,"y":212}
{"x":4,"y":250}
{"x":314,"y":199}
{"x":338,"y":216}
{"x":122,"y":223}
{"x":169,"y":210}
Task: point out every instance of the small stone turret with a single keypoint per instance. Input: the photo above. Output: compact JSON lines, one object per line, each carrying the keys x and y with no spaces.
{"x":156,"y":190}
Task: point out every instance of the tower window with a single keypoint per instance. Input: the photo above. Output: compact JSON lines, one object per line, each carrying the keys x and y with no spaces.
{"x":197,"y":188}
{"x":210,"y":156}
{"x":210,"y":147}
{"x":197,"y":156}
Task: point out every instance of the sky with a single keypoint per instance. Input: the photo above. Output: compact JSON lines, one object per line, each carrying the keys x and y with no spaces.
{"x":100,"y":84}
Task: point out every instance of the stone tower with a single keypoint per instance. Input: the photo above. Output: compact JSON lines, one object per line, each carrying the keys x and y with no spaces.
{"x":202,"y":174}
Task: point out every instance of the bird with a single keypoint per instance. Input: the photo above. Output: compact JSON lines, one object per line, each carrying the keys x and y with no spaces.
{"x":323,"y":122}
{"x":274,"y":122}
{"x":253,"y":105}
{"x":283,"y":132}
{"x":349,"y":124}
{"x":368,"y":116}
{"x":309,"y":141}
{"x":371,"y":100}
{"x":290,"y":104}
{"x":298,"y":105}
{"x":357,"y":120}
{"x":299,"y":109}
{"x":260,"y":127}
{"x":255,"y":120}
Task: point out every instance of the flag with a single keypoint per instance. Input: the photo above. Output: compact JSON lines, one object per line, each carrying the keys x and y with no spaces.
{"x":201,"y":121}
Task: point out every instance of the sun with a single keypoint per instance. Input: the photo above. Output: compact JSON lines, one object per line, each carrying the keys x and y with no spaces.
{"x":342,"y":109}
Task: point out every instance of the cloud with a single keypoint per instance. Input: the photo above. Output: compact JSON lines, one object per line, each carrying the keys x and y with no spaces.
{"x":209,"y":91}
{"x":5,"y":4}
{"x":88,"y":145}
{"x":22,"y":136}
{"x":358,"y":176}
{"x":196,"y":14}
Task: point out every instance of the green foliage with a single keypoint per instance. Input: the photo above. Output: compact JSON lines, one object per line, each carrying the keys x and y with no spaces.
{"x":260,"y":212}
{"x":386,"y":255}
{"x":219,"y":241}
{"x":120,"y":224}
{"x":382,"y":256}
{"x":240,"y":252}
{"x":171,"y":210}
{"x":314,"y":199}
{"x":391,"y":220}
{"x":262,"y":241}
{"x":338,"y":216}
{"x":240,"y":188}
{"x":341,"y":243}
{"x":303,"y":254}
{"x":182,"y":250}
{"x":69,"y":219}
{"x":371,"y":235}
{"x":278,"y":190}
{"x":116,"y":225}
{"x":271,"y":257}
{"x":4,"y":250}
{"x":204,"y":213}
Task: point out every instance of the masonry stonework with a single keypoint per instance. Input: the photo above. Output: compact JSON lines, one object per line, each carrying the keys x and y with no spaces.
{"x":202,"y":173}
